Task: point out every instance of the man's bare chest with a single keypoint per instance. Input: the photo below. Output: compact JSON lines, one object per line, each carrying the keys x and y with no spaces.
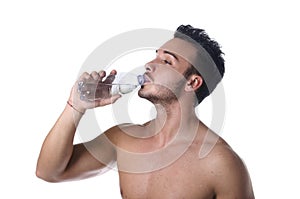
{"x":174,"y":171}
{"x":175,"y":181}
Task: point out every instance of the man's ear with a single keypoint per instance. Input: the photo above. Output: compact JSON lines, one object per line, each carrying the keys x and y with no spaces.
{"x":193,"y":83}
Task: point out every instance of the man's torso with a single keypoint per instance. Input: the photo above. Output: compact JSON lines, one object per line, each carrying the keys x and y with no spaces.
{"x":164,"y":174}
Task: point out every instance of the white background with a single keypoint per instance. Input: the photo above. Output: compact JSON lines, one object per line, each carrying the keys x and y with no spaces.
{"x":42,"y":47}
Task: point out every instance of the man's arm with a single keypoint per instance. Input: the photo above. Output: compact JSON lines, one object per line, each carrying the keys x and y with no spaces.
{"x":59,"y":160}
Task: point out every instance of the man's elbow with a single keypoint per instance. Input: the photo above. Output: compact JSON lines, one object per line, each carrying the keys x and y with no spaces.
{"x":46,"y":177}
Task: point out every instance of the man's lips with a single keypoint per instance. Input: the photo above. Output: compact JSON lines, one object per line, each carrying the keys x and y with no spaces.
{"x":147,"y":79}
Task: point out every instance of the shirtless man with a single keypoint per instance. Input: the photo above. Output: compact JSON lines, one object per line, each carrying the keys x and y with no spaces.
{"x":159,"y":159}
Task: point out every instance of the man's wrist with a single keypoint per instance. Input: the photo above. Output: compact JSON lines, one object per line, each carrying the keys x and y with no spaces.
{"x":75,"y":108}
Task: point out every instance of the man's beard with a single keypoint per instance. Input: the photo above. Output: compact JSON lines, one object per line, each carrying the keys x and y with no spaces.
{"x":165,"y":95}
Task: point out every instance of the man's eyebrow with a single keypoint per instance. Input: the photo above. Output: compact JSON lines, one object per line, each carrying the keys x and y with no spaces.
{"x":170,"y":53}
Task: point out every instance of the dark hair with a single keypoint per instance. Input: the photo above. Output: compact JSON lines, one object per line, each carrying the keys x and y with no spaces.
{"x":211,"y":46}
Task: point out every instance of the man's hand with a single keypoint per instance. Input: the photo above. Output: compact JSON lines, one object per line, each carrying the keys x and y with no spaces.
{"x":82,"y":105}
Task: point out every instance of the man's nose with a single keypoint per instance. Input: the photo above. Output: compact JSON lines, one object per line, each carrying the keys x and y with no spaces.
{"x":151,"y":66}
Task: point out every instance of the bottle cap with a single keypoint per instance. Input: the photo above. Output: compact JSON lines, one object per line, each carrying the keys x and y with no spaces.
{"x":141,"y":79}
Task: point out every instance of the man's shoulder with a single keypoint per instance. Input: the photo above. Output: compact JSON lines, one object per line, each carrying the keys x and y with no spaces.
{"x":124,"y":129}
{"x":227,"y":170}
{"x":222,"y":153}
{"x":123,"y":132}
{"x":222,"y":158}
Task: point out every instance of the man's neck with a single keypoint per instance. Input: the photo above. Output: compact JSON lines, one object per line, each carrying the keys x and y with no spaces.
{"x":172,"y":119}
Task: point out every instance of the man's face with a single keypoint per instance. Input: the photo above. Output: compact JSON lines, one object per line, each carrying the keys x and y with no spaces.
{"x":164,"y":77}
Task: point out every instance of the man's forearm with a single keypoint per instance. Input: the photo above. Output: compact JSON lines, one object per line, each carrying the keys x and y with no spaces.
{"x":58,"y":146}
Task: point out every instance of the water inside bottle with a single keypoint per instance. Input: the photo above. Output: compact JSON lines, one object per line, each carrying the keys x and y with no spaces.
{"x":91,"y":90}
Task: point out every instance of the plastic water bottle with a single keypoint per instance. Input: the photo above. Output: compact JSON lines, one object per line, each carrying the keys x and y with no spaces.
{"x":122,"y":83}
